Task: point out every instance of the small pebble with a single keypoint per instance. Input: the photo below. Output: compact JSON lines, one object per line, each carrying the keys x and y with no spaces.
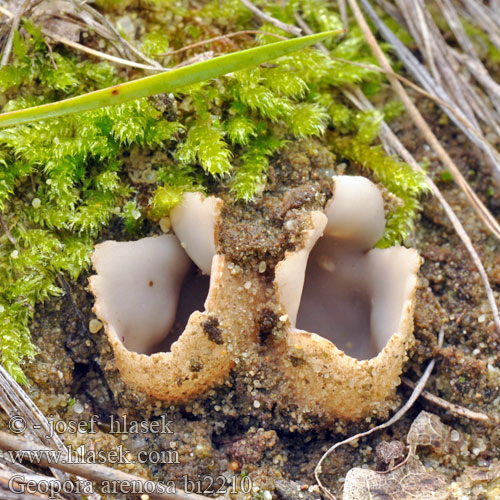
{"x":262,"y":269}
{"x":256,"y":404}
{"x":326,"y":263}
{"x":144,"y":496}
{"x":36,"y":203}
{"x":78,"y":407}
{"x":165,"y":224}
{"x":94,"y":325}
{"x":455,"y":436}
{"x":234,"y":466}
{"x":247,"y":285}
{"x":267,"y":495}
{"x":149,"y":176}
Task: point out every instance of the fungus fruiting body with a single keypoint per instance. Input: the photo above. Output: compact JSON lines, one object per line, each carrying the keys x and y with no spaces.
{"x":355,"y":318}
{"x":137,"y":288}
{"x":345,"y":308}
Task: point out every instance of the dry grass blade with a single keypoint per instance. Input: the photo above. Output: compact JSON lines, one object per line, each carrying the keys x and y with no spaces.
{"x":293,"y":30}
{"x":483,"y":17}
{"x":105,"y":22}
{"x":454,"y":409}
{"x":16,"y":19}
{"x":218,"y":38}
{"x":420,"y":122}
{"x":421,"y":75}
{"x":10,"y":476}
{"x":469,"y":58}
{"x":444,"y":64}
{"x":19,"y":406}
{"x":409,"y":403}
{"x":93,"y":472}
{"x":87,"y":50}
{"x":97,"y":53}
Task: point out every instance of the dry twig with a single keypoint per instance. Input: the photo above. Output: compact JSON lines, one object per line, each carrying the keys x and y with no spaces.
{"x":16,"y":19}
{"x":453,"y":408}
{"x":293,"y":30}
{"x":420,"y":122}
{"x":19,"y":406}
{"x":125,"y":43}
{"x":221,"y":37}
{"x":88,"y":50}
{"x":93,"y":472}
{"x":409,"y":403}
{"x":421,"y":75}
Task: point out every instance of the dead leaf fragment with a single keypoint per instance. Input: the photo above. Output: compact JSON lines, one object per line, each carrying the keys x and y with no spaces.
{"x":427,"y":430}
{"x":412,"y":481}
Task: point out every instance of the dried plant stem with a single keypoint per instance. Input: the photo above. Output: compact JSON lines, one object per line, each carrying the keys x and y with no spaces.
{"x":126,"y":44}
{"x":88,"y":50}
{"x":15,"y":402}
{"x":458,"y":116}
{"x":419,"y":387}
{"x":420,"y":122}
{"x":422,"y":76}
{"x":293,"y":30}
{"x":454,"y":409}
{"x":93,"y":472}
{"x":7,"y":231}
{"x":101,"y":55}
{"x":16,"y":18}
{"x":221,"y":37}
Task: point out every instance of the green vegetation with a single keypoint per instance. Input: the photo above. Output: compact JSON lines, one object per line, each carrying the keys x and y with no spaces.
{"x":62,"y":180}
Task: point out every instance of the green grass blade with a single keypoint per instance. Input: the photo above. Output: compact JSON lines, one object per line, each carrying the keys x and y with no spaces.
{"x":163,"y":82}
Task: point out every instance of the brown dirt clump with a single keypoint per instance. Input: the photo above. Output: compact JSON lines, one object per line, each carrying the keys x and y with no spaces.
{"x":263,"y":230}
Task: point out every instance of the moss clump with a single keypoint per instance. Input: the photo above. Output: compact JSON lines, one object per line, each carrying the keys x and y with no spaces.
{"x":62,"y":180}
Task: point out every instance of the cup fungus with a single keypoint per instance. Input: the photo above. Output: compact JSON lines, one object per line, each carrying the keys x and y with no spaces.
{"x":358,"y":300}
{"x":137,"y":290}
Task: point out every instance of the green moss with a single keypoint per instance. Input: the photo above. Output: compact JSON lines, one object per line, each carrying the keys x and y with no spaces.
{"x":155,"y":43}
{"x":61,"y":181}
{"x":398,"y":177}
